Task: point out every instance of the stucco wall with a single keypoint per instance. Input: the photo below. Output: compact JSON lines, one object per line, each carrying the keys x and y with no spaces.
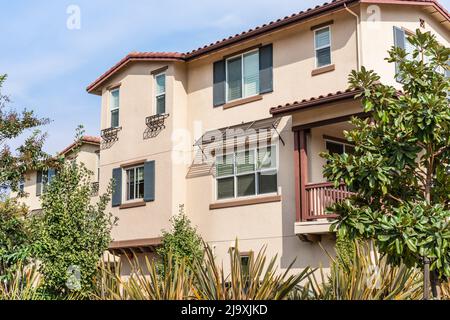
{"x":190,"y":105}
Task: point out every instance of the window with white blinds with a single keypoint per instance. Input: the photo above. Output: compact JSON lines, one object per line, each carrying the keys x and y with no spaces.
{"x":242,"y":75}
{"x":160,"y":93}
{"x":322,"y":45}
{"x":114,"y":107}
{"x":246,"y":173}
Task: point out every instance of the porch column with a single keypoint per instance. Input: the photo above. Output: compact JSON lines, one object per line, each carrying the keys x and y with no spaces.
{"x":301,"y":174}
{"x":298,"y":213}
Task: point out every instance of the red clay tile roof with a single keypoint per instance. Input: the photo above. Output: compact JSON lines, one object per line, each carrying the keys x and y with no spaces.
{"x":315,"y":101}
{"x":136,"y":56}
{"x":84,"y":139}
{"x":326,"y":7}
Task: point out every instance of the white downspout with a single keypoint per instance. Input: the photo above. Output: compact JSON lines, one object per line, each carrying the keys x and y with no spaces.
{"x":358,"y":40}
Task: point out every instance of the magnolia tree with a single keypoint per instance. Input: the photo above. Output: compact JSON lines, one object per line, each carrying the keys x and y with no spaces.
{"x":401,"y":164}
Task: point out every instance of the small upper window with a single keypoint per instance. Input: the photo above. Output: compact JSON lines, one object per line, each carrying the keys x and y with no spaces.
{"x":115,"y":108}
{"x":160,"y":94}
{"x":242,"y":74}
{"x":322,"y":46}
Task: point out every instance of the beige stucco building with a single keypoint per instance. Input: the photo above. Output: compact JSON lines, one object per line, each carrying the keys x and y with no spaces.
{"x":163,"y":116}
{"x":87,"y":151}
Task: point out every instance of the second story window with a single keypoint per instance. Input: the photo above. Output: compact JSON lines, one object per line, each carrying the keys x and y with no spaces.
{"x":242,"y":74}
{"x":246,"y":173}
{"x":135,"y":183}
{"x":114,"y":107}
{"x":160,"y":93}
{"x":322,"y":46}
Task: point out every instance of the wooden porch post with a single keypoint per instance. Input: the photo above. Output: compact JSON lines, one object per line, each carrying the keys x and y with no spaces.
{"x":303,"y":174}
{"x":298,"y":213}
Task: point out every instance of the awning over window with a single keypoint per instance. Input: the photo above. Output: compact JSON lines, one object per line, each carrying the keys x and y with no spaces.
{"x":245,"y":132}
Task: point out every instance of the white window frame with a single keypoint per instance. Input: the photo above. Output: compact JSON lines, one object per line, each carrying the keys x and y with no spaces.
{"x":345,"y":145}
{"x":242,"y":75}
{"x":156,"y":95}
{"x":322,"y":47}
{"x":235,"y":174}
{"x":111,"y":109}
{"x":125,"y":184}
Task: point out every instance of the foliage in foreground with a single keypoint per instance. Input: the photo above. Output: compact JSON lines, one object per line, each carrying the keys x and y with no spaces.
{"x":182,"y":242}
{"x":71,"y":233}
{"x":27,"y":156}
{"x":399,"y":170}
{"x":14,"y":236}
{"x":204,"y":280}
{"x":367,"y":276}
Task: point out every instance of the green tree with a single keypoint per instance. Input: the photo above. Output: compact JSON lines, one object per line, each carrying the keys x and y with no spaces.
{"x":400,"y":166}
{"x":71,"y":232}
{"x":181,"y":242}
{"x":27,"y":156}
{"x":15,"y":243}
{"x":14,"y":229}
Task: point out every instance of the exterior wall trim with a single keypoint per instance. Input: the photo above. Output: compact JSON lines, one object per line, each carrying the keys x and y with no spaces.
{"x":242,"y":101}
{"x":244,"y":202}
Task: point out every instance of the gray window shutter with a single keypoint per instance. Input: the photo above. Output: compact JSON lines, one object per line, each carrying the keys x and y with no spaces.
{"x":219,"y":80}
{"x":39,"y":183}
{"x":266,"y":69}
{"x":399,"y":42}
{"x":117,"y":190}
{"x":149,"y":181}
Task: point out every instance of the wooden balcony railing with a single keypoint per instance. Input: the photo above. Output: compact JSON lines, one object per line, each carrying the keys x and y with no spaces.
{"x":319,"y":197}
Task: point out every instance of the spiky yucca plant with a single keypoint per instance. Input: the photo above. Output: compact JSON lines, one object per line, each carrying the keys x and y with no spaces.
{"x":366,"y":277}
{"x":258,"y":281}
{"x":146,"y":282}
{"x":22,"y":284}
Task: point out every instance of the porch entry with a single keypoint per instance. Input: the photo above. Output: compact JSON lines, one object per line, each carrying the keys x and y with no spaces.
{"x":314,"y":194}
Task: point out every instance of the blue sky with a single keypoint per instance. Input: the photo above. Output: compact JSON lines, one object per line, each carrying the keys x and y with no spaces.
{"x":49,"y":66}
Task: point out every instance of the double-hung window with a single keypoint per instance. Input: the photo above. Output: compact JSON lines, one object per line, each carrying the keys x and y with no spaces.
{"x":135,"y":183}
{"x":114,"y":107}
{"x":322,"y":46}
{"x":47,"y":177}
{"x":246,"y":173}
{"x":160,"y":93}
{"x":242,"y":75}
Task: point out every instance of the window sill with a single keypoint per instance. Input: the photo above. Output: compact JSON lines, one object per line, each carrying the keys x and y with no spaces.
{"x":135,"y":204}
{"x":242,"y":101}
{"x":244,"y":202}
{"x":321,"y":70}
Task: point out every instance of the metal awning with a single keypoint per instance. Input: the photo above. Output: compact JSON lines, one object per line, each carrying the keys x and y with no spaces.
{"x":250,"y":130}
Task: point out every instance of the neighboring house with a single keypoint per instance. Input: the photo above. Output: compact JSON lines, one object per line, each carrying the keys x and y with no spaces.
{"x":162,"y":113}
{"x":34,"y":183}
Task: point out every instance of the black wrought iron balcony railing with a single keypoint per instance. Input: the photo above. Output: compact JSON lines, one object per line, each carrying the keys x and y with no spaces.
{"x":110,"y":134}
{"x":156,"y":122}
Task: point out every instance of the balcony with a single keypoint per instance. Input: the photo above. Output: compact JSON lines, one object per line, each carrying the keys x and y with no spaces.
{"x":320,"y":196}
{"x":110,"y":134}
